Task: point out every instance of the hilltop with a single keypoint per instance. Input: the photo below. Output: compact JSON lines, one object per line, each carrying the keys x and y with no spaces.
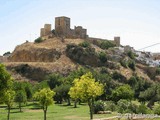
{"x":33,"y":61}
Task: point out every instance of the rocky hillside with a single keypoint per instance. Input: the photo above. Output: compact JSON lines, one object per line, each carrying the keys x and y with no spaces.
{"x":33,"y":61}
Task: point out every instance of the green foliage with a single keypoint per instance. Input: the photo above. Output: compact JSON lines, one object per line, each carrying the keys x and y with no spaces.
{"x":119,"y":77}
{"x":122,"y":92}
{"x":102,"y":57}
{"x":122,"y":105}
{"x":5,"y":80}
{"x":99,"y":106}
{"x":152,"y":94}
{"x":62,"y":93}
{"x":131,"y":64}
{"x":45,"y":98}
{"x":110,"y":105}
{"x":131,"y":55}
{"x":86,"y":89}
{"x":157,"y":110}
{"x":138,"y":84}
{"x":54,"y":80}
{"x":8,"y":99}
{"x":86,"y":56}
{"x":41,"y":85}
{"x":124,"y":63}
{"x":20,"y":98}
{"x":143,"y":109}
{"x":158,"y":71}
{"x":84,"y":44}
{"x":125,"y":106}
{"x":106,"y":44}
{"x":38,"y":40}
{"x":6,"y":53}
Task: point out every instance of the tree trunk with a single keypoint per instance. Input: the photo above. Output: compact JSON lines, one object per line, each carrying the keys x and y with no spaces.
{"x":75,"y":103}
{"x":90,"y":103}
{"x":69,"y":102}
{"x":8,"y":116}
{"x":45,"y":113}
{"x":20,"y":107}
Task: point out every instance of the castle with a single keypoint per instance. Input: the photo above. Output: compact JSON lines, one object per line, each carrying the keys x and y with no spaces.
{"x":62,"y":29}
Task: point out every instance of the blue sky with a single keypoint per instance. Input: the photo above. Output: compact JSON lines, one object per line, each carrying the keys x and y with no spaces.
{"x":135,"y":21}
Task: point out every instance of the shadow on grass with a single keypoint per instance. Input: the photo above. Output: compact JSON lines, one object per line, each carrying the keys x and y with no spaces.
{"x":35,"y":106}
{"x":16,"y":112}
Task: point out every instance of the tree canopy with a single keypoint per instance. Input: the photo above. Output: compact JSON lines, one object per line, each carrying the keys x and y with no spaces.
{"x":86,"y":89}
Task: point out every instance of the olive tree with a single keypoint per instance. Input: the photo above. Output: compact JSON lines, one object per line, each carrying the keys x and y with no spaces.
{"x":86,"y":88}
{"x":45,"y":98}
{"x":8,"y":100}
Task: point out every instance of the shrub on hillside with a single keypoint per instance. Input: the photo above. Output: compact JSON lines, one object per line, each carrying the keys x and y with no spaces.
{"x":102,"y":57}
{"x":131,"y":55}
{"x":131,"y":64}
{"x":38,"y":40}
{"x":106,"y":44}
{"x":84,"y":44}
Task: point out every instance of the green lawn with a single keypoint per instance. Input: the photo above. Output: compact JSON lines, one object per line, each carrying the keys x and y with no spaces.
{"x":55,"y":112}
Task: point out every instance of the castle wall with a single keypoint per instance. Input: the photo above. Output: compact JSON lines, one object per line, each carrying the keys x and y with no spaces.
{"x":42,"y":32}
{"x":80,"y":32}
{"x":47,"y":28}
{"x":62,"y":25}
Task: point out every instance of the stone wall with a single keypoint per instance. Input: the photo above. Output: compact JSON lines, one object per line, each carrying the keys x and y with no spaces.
{"x":46,"y":30}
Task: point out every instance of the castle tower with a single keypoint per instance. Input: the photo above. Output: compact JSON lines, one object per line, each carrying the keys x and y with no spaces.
{"x":62,"y":25}
{"x":47,"y":28}
{"x":117,"y":41}
{"x":42,"y":32}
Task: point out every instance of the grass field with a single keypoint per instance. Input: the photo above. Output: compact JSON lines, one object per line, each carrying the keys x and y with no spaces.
{"x":55,"y":112}
{"x":32,"y":111}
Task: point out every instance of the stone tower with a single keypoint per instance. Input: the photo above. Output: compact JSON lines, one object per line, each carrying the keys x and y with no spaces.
{"x":62,"y":25}
{"x":117,"y":41}
{"x":46,"y":30}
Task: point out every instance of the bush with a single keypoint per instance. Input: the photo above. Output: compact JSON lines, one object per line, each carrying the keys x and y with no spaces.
{"x":38,"y":40}
{"x":131,"y":55}
{"x":84,"y":44}
{"x":106,"y":44}
{"x":143,"y":109}
{"x":122,"y":105}
{"x":99,"y":106}
{"x":102,"y":57}
{"x":131,"y":64}
{"x":110,"y":105}
{"x":124,"y":63}
{"x":157,"y":110}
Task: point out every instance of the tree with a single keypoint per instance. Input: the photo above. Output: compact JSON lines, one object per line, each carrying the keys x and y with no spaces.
{"x":5,"y":80}
{"x":8,"y":100}
{"x":122,"y":92}
{"x":86,"y":89}
{"x":20,"y":98}
{"x":62,"y":93}
{"x":152,"y":95}
{"x":45,"y":98}
{"x":54,"y":80}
